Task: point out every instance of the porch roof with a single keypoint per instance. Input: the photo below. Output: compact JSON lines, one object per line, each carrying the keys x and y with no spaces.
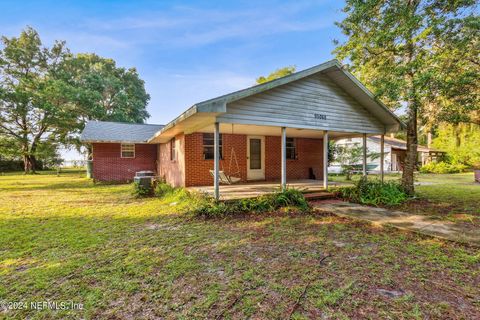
{"x":205,"y":113}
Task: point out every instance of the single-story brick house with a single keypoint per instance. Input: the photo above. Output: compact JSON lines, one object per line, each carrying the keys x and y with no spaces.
{"x":273,"y":131}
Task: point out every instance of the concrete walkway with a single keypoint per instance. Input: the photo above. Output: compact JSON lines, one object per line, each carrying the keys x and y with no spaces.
{"x":402,"y":220}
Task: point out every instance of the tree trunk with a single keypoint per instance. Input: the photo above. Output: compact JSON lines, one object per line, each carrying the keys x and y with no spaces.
{"x":458,"y":140}
{"x":29,"y":164}
{"x":25,"y":158}
{"x":89,"y":152}
{"x":26,"y":164}
{"x":29,"y":159}
{"x":33,"y":163}
{"x":31,"y":154}
{"x":429,"y":139}
{"x":411,"y":154}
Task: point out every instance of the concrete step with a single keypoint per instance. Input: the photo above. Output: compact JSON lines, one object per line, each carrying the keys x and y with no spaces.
{"x":322,"y":195}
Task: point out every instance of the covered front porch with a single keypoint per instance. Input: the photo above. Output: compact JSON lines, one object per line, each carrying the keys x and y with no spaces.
{"x":315,"y":155}
{"x":258,"y":188}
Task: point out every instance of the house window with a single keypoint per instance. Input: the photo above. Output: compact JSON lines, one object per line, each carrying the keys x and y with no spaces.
{"x":208,"y":146}
{"x":127,"y":150}
{"x":291,"y":149}
{"x":173,"y":153}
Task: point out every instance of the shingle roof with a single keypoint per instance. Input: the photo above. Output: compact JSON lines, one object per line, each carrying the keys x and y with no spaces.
{"x":102,"y":131}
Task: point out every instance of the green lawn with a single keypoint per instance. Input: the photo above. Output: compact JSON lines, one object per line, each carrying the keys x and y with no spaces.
{"x":65,"y":239}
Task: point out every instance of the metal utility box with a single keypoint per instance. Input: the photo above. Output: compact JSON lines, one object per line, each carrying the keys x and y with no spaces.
{"x":144,"y":178}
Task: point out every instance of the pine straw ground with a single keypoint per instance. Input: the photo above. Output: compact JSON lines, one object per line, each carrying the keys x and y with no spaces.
{"x":65,"y":239}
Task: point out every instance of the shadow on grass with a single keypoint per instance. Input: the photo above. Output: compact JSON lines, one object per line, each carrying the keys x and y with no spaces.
{"x":102,"y":261}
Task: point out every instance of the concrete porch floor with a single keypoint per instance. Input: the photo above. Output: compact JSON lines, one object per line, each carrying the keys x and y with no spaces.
{"x":257,"y":188}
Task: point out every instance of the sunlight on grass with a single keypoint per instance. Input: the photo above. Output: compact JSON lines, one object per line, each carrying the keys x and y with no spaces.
{"x":65,"y":238}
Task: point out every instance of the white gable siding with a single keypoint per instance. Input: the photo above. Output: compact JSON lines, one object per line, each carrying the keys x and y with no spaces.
{"x":295,"y":105}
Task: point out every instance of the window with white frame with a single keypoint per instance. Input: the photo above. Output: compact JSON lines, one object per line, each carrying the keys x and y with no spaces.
{"x":128,"y":150}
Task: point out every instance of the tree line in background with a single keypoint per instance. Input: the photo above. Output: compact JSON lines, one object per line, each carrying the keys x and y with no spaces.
{"x":48,"y":94}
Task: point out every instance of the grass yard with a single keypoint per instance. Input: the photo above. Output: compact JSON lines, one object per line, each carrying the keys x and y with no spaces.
{"x":65,"y":239}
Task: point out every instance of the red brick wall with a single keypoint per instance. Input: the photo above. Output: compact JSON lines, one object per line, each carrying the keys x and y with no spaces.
{"x":173,"y":171}
{"x":197,"y":169}
{"x":309,"y":155}
{"x":109,"y":166}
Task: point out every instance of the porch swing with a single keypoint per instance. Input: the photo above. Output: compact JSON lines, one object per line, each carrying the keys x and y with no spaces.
{"x":229,"y":177}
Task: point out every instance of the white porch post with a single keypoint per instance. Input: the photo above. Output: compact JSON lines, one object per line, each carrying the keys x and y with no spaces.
{"x":382,"y":156}
{"x":325,"y":159}
{"x":364,"y":162}
{"x":216,"y":160}
{"x":284,"y":158}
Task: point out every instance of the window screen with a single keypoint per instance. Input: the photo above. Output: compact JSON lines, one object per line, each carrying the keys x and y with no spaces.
{"x":255,"y":154}
{"x":128,"y":150}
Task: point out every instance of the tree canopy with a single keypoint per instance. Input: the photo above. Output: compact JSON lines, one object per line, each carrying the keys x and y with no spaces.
{"x":47,"y":94}
{"x":281,"y":72}
{"x":460,"y":141}
{"x":409,"y":53}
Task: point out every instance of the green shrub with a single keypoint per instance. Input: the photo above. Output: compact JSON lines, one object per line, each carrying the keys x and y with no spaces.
{"x":290,"y":198}
{"x":374,"y":192}
{"x":140,"y":191}
{"x":442,"y":167}
{"x":162,"y":189}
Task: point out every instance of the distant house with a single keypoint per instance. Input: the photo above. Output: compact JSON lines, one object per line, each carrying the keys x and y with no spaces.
{"x":272,"y":131}
{"x":394,"y":158}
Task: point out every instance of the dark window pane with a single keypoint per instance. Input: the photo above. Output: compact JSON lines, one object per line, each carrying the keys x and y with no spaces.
{"x":290,"y":143}
{"x":291,"y":150}
{"x":173,"y":154}
{"x":255,"y":154}
{"x":127,"y":154}
{"x":208,"y":146}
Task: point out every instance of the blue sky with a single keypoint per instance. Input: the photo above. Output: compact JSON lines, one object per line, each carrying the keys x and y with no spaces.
{"x":186,"y":51}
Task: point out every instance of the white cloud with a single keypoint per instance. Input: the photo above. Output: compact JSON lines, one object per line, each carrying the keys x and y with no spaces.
{"x":192,"y":27}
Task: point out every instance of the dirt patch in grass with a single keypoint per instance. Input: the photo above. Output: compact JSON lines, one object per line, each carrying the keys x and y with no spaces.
{"x":443,"y":211}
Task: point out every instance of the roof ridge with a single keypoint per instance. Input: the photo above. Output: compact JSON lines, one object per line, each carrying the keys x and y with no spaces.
{"x":129,"y":123}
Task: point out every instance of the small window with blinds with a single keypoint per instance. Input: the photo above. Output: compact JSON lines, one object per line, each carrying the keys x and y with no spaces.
{"x":128,"y":150}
